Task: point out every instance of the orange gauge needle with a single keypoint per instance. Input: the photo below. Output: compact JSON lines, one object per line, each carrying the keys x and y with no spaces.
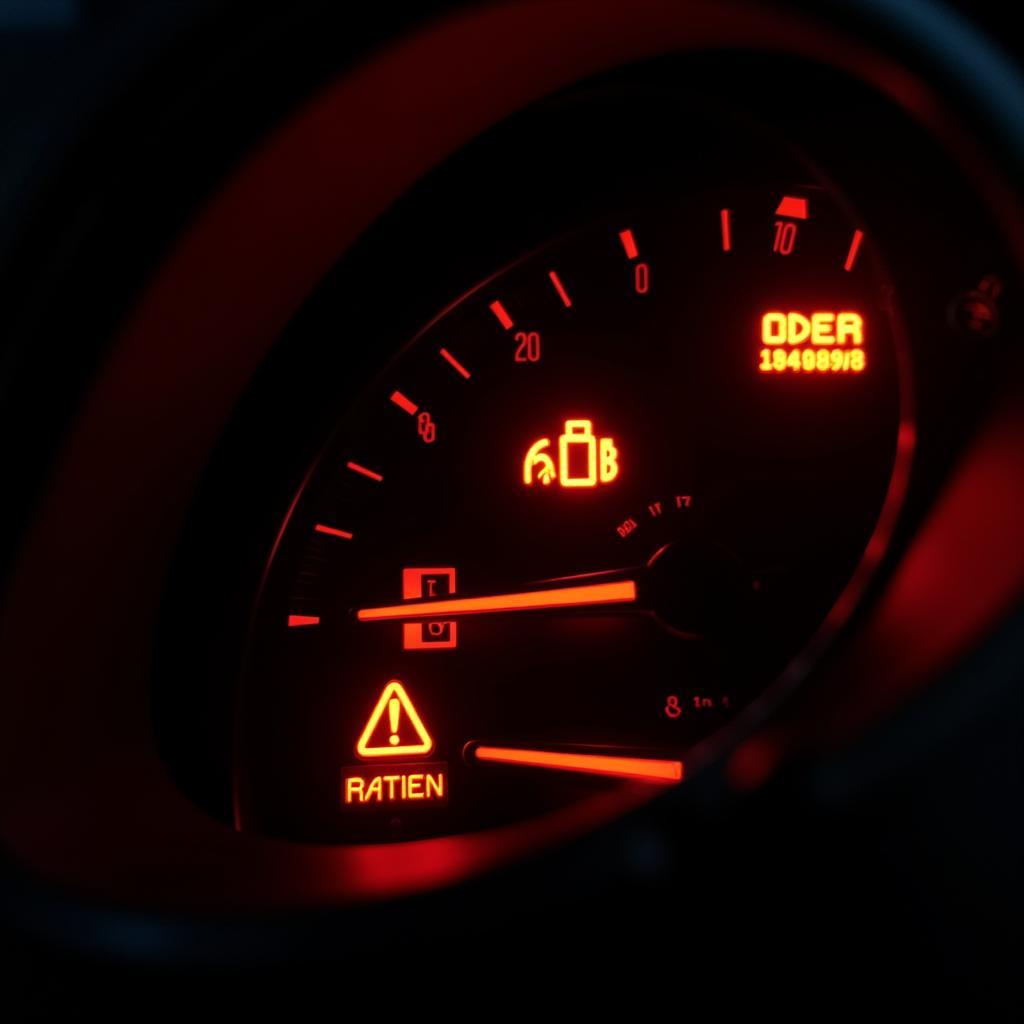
{"x":619,"y":592}
{"x":643,"y":769}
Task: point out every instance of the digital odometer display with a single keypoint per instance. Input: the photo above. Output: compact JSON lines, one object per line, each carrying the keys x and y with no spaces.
{"x":591,"y":512}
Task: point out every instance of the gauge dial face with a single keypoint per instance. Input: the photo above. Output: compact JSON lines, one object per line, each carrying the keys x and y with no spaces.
{"x":585,"y":518}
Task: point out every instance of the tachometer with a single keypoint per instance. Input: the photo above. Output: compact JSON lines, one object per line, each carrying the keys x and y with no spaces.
{"x":589,"y":514}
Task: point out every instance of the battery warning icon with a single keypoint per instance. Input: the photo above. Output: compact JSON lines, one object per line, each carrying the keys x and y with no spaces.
{"x":583,"y":459}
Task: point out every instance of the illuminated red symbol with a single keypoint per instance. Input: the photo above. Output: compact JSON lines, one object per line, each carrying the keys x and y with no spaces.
{"x":454,"y":363}
{"x":429,"y":636}
{"x":629,"y":244}
{"x":583,"y":459}
{"x":726,"y":218}
{"x":502,"y":314}
{"x":303,"y":620}
{"x":332,"y":531}
{"x":363,"y":471}
{"x":394,"y":728}
{"x":851,"y":256}
{"x":560,"y":288}
{"x":403,"y":403}
{"x":792,"y":206}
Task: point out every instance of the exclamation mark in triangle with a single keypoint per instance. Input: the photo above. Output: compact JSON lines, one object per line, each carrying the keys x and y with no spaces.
{"x":406,"y":733}
{"x":394,"y":709}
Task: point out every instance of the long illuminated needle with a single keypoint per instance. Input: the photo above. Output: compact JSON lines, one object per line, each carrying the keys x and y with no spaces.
{"x":619,"y":592}
{"x":643,"y":769}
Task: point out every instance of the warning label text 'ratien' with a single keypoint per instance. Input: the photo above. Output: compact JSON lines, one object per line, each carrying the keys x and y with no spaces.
{"x":395,"y":784}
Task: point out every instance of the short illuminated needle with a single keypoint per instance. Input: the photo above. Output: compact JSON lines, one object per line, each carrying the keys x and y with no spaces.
{"x":619,"y":592}
{"x":642,"y":769}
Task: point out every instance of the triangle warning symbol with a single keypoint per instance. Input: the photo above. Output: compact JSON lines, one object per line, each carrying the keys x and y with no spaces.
{"x":394,"y":727}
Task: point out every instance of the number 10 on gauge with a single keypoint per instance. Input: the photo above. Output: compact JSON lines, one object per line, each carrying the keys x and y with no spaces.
{"x":429,"y":636}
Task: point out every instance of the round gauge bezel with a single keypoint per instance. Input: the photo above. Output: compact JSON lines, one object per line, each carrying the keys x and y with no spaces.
{"x":211,"y":314}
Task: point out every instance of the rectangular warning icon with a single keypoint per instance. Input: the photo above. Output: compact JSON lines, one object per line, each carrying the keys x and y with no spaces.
{"x":425,"y":584}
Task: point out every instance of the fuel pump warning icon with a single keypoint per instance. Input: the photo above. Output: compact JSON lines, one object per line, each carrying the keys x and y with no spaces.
{"x":584,"y":460}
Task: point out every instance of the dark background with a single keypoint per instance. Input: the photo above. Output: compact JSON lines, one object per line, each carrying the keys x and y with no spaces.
{"x":887,"y":879}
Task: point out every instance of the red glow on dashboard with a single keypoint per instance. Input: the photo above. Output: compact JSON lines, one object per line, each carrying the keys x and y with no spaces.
{"x":276,"y":871}
{"x":752,"y":763}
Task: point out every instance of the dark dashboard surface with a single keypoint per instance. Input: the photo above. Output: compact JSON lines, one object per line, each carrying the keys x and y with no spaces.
{"x":291,"y":297}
